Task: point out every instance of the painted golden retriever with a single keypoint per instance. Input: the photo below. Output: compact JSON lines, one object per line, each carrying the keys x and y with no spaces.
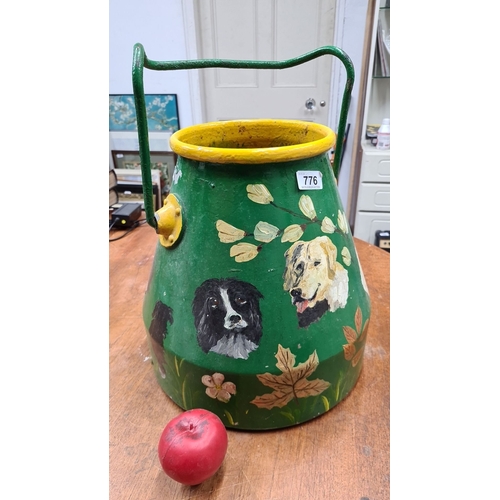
{"x":315,"y":280}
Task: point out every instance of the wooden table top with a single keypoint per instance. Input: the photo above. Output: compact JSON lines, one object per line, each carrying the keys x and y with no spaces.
{"x":342,"y":454}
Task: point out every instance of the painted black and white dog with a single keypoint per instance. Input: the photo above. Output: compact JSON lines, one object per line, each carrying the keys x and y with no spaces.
{"x":227,"y":317}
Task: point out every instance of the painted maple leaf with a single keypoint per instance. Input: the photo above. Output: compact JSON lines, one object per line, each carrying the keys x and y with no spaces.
{"x":355,"y":338}
{"x":292,"y":383}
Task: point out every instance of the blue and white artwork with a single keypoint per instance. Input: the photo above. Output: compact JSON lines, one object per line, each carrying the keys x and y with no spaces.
{"x":161,"y":110}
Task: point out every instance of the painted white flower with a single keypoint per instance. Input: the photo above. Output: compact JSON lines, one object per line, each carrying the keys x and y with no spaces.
{"x":327,"y":226}
{"x":243,"y":252}
{"x":265,"y":232}
{"x":228,"y":233}
{"x":307,"y":207}
{"x":292,"y":233}
{"x":346,"y":256}
{"x":258,"y":193}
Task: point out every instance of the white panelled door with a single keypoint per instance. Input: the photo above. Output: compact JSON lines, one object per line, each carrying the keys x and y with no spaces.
{"x":266,"y":30}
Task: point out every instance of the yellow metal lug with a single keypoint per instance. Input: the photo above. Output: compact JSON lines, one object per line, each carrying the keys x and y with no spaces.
{"x":169,"y":219}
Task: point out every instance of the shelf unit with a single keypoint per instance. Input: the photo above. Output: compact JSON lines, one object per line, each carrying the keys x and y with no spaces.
{"x":372,"y":190}
{"x":130,"y":189}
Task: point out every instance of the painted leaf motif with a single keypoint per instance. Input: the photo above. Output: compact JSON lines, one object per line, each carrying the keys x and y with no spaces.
{"x":265,"y":232}
{"x":288,"y":415}
{"x":353,"y":351}
{"x":269,"y":401}
{"x":349,"y":351}
{"x":346,"y":256}
{"x":276,"y":382}
{"x":292,"y":383}
{"x":326,"y":403}
{"x":243,"y":252}
{"x":358,"y":356}
{"x":303,"y":370}
{"x":365,"y":330}
{"x":229,"y":417}
{"x":358,"y":318}
{"x":285,"y":358}
{"x":327,"y":226}
{"x":228,"y":233}
{"x":350,"y":334}
{"x":305,"y":388}
{"x":307,"y":207}
{"x":292,"y":233}
{"x":258,"y":193}
{"x":342,"y":222}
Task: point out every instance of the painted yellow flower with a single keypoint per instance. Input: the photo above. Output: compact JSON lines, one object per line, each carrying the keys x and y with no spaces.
{"x":292,"y":233}
{"x":243,"y":252}
{"x":217,"y":388}
{"x":265,"y":232}
{"x":258,"y":193}
{"x":228,"y":233}
{"x":346,"y":256}
{"x":307,"y":207}
{"x":327,"y":226}
{"x":342,"y":222}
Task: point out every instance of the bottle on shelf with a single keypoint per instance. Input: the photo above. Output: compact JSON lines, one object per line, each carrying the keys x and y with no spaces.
{"x":384,"y":135}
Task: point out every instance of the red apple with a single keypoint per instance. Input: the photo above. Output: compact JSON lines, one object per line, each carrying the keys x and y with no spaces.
{"x":192,"y":446}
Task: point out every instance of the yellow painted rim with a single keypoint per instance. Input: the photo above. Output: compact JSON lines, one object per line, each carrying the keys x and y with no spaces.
{"x":252,"y":141}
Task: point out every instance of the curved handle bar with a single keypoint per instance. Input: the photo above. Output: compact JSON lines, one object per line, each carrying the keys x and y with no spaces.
{"x":140,"y":61}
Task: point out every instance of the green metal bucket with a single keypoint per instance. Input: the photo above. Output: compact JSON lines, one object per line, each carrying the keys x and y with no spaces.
{"x":256,"y":308}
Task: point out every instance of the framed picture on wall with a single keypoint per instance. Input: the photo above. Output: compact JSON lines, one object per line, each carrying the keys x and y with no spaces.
{"x":161,"y":109}
{"x":164,"y":161}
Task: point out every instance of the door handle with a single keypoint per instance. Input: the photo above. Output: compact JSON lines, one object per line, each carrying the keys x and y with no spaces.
{"x":310,"y":103}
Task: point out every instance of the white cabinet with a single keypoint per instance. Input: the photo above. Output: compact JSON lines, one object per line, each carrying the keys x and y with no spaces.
{"x":372,"y":208}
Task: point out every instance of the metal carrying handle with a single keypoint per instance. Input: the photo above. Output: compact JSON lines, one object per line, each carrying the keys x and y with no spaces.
{"x":140,"y":61}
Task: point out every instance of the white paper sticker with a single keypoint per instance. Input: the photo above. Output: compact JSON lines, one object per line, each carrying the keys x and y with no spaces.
{"x":309,"y":179}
